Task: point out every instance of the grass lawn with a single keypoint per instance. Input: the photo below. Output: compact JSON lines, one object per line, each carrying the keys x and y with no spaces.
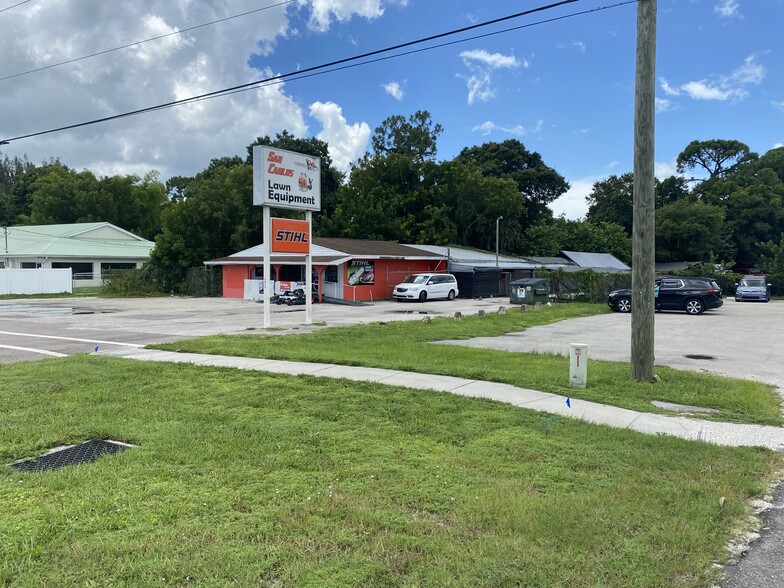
{"x":77,"y":292}
{"x":407,"y":345}
{"x":253,"y":479}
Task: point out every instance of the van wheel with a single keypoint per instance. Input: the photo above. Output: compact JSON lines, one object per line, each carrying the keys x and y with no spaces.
{"x":694,"y":306}
{"x":451,"y":295}
{"x":422,"y":296}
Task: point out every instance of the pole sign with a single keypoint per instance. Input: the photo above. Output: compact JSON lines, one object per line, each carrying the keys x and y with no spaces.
{"x":290,"y":236}
{"x":285,"y":179}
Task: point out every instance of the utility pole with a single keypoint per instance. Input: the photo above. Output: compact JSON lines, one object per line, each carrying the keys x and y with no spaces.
{"x":643,"y":232}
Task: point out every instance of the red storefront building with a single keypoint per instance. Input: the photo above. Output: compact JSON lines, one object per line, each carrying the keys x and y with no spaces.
{"x":343,"y":269}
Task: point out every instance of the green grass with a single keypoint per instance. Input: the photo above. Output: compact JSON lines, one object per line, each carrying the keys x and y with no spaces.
{"x":407,"y":345}
{"x":252,"y":479}
{"x":77,"y":292}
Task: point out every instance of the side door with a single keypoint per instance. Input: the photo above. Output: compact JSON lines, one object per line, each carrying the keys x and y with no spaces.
{"x":671,"y":293}
{"x":440,"y":287}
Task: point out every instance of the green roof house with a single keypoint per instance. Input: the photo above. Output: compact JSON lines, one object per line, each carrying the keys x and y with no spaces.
{"x":89,"y":249}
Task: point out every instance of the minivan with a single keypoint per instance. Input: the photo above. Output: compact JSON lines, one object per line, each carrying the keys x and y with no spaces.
{"x":426,"y":286}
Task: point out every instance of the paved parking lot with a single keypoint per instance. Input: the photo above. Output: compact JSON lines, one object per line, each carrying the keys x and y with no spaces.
{"x":741,"y":340}
{"x":33,"y":329}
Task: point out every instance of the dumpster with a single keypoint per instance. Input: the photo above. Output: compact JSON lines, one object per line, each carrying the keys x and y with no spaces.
{"x":529,"y":290}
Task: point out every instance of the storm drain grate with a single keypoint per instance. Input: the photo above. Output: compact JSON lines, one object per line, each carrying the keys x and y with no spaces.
{"x":75,"y":454}
{"x":698,"y":356}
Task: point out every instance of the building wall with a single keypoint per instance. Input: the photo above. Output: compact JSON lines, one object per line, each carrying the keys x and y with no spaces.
{"x":388,"y":273}
{"x":234,"y":277}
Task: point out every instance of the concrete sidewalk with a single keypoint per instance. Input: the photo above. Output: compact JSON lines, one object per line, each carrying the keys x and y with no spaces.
{"x":729,"y":434}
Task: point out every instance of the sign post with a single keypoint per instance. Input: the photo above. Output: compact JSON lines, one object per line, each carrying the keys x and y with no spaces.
{"x":285,"y":179}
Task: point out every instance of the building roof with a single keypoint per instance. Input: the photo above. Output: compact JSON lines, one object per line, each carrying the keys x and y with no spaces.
{"x":671,"y":266}
{"x":85,"y":240}
{"x":596,"y":261}
{"x":329,"y":251}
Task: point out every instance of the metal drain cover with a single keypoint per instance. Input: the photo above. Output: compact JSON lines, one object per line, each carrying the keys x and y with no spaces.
{"x":72,"y":455}
{"x":698,"y":356}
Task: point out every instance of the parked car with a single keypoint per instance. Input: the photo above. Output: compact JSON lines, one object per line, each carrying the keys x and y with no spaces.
{"x":753,"y":288}
{"x":694,"y":295}
{"x":426,"y":286}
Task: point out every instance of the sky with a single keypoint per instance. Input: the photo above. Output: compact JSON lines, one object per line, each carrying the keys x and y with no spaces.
{"x":564,"y":88}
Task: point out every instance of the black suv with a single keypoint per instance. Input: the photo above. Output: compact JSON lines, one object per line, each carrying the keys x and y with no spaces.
{"x":694,"y":295}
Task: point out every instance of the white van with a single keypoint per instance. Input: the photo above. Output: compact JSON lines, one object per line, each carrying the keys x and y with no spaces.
{"x":426,"y":286}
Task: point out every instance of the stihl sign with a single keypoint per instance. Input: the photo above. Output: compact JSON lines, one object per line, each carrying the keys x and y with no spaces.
{"x":290,"y":236}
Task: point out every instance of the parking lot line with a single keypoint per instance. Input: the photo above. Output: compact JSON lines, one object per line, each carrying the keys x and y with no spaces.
{"x":33,"y":350}
{"x":137,"y":345}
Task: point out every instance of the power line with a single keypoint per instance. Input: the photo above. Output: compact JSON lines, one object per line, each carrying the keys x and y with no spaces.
{"x":310,"y":70}
{"x":275,"y":80}
{"x":179,"y":32}
{"x":14,"y":5}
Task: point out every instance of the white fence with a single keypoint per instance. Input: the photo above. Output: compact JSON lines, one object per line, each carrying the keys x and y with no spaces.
{"x":35,"y":281}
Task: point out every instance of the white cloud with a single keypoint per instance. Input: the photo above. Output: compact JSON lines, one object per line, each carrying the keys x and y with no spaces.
{"x":492,"y":60}
{"x":579,"y":45}
{"x":727,"y":8}
{"x":668,"y":89}
{"x":777,"y":145}
{"x":489,"y":127}
{"x":779,"y":105}
{"x":573,"y":205}
{"x":722,"y":88}
{"x":482,"y":64}
{"x":613,"y":164}
{"x":394,"y":89}
{"x":663,"y":105}
{"x":346,"y":142}
{"x":664,"y":169}
{"x":323,"y":12}
{"x":704,"y":90}
{"x":480,"y":87}
{"x":176,"y":141}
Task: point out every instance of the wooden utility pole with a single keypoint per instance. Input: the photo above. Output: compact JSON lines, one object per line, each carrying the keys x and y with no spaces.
{"x":643,"y":232}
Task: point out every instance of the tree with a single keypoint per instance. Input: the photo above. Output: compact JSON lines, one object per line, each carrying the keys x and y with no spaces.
{"x":755,"y":214}
{"x":690,"y":231}
{"x":216,"y":219}
{"x":537,"y":184}
{"x":552,"y":237}
{"x":414,"y":138}
{"x":21,"y":196}
{"x":610,"y":201}
{"x":718,"y":157}
{"x":474,"y":201}
{"x":385,"y":198}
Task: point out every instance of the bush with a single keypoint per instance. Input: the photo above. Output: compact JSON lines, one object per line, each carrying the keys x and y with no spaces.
{"x":132,"y":282}
{"x":584,"y":285}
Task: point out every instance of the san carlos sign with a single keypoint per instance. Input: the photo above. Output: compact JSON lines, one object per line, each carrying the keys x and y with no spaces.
{"x":284,"y":179}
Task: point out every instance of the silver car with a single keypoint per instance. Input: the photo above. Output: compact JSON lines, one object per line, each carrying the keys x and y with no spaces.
{"x":753,"y":288}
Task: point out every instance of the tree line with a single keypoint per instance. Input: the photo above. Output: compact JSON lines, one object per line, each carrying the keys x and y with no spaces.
{"x":724,"y":206}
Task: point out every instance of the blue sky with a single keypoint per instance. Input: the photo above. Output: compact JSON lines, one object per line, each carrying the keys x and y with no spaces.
{"x":565,"y":88}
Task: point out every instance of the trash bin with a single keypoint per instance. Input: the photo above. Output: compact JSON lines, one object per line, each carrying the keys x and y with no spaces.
{"x":529,"y":290}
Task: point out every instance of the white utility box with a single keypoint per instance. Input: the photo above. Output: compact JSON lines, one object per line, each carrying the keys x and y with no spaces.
{"x":578,"y":365}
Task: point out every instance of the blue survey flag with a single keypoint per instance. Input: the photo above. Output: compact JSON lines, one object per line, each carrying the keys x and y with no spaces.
{"x":96,"y":349}
{"x":568,"y":402}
